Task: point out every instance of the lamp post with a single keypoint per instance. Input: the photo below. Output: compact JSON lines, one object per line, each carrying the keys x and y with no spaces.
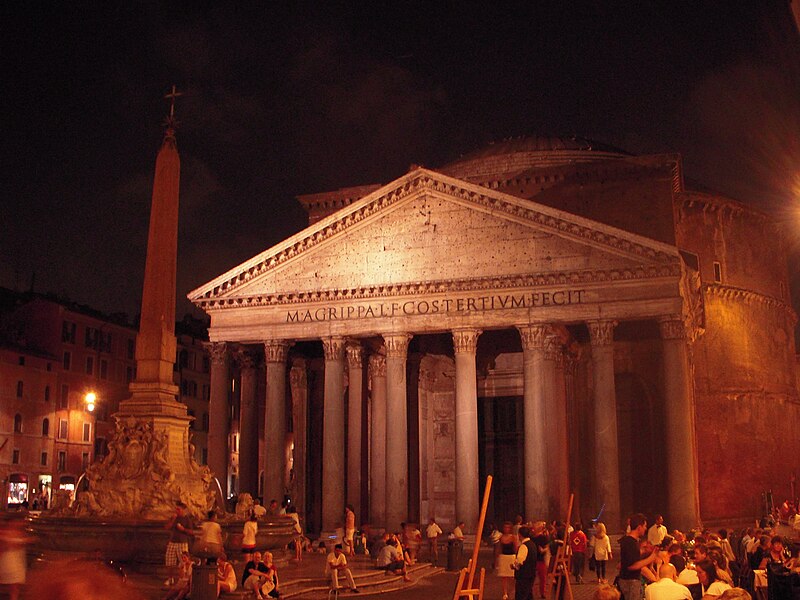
{"x":90,"y":400}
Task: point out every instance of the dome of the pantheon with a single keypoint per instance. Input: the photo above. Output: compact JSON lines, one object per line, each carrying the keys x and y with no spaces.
{"x":517,"y":155}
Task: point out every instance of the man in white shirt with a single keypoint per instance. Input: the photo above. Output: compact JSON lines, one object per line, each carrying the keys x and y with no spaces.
{"x":432,"y":534}
{"x":525,"y":566}
{"x":337,"y":563}
{"x":258,"y":510}
{"x":458,"y":532}
{"x":666,"y":588}
{"x":657,"y":533}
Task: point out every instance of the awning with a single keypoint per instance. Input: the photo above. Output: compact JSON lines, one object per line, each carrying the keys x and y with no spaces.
{"x":18,"y":478}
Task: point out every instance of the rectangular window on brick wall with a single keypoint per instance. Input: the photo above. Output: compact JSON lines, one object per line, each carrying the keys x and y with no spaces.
{"x":67,"y":364}
{"x":68,"y":332}
{"x":63,"y":398}
{"x":90,"y":339}
{"x":84,"y":460}
{"x":87,"y":432}
{"x":20,"y":389}
{"x":15,"y":456}
{"x":62,"y":461}
{"x":105,"y":342}
{"x":717,"y":272}
{"x":43,"y":461}
{"x":63,"y":429}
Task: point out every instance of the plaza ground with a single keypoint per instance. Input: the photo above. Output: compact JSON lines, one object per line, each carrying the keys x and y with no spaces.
{"x":306,"y":580}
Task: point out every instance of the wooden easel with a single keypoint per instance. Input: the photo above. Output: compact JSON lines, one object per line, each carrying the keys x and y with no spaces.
{"x":467,"y":575}
{"x":561,"y":562}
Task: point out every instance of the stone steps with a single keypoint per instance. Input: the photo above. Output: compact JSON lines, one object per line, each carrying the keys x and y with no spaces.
{"x":369,"y":582}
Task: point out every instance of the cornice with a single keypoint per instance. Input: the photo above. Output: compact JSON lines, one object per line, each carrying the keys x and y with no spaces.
{"x":420,"y":180}
{"x":449,"y":286}
{"x":727,"y":207}
{"x":729,"y":292}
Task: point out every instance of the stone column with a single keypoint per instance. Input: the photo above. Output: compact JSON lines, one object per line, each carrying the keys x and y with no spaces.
{"x":535,"y":453}
{"x":377,"y":443}
{"x":396,"y":429}
{"x":333,"y":446}
{"x":465,"y":345}
{"x":558,"y":446}
{"x":275,"y":354}
{"x":298,"y":384}
{"x":355,"y":407}
{"x":248,"y":423}
{"x":606,"y":444}
{"x":218,"y":409}
{"x":679,"y":419}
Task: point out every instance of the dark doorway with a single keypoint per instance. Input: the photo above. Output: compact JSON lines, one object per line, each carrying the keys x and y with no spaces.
{"x":500,"y":441}
{"x":641,"y":446}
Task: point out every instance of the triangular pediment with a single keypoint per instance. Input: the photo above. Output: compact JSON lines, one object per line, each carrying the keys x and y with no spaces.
{"x":426,"y":228}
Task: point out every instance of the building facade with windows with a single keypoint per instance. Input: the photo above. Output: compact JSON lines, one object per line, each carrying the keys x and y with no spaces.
{"x":551,"y":311}
{"x":192,"y":376}
{"x":87,"y":352}
{"x":52,"y":354}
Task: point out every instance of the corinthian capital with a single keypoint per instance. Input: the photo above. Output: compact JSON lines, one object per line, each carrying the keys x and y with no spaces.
{"x":218,"y":351}
{"x":276,"y":351}
{"x":245,"y":358}
{"x":333,"y":347}
{"x":553,"y":348}
{"x":533,"y":337}
{"x":355,"y":355}
{"x":377,"y":365}
{"x":465,"y":341}
{"x":672,"y":328}
{"x":396,"y":344}
{"x":601,"y":333}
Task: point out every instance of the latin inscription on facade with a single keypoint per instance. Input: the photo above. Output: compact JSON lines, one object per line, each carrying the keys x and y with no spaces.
{"x":377,"y":310}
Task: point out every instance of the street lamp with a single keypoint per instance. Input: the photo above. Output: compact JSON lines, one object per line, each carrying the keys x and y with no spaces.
{"x":90,"y":399}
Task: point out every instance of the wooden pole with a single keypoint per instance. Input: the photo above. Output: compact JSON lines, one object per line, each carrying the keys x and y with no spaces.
{"x":561,"y":561}
{"x":481,"y":519}
{"x":467,"y":576}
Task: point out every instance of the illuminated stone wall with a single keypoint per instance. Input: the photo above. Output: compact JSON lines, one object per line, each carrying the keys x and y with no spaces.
{"x":748,"y":414}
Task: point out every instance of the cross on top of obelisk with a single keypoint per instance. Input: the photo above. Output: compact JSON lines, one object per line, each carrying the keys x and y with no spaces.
{"x":174,"y":93}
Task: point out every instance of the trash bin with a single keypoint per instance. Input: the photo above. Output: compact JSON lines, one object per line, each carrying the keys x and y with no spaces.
{"x":204,"y":582}
{"x":454,"y":554}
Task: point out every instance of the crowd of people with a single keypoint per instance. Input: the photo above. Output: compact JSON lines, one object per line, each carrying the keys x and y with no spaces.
{"x":653,"y":563}
{"x":259,"y":576}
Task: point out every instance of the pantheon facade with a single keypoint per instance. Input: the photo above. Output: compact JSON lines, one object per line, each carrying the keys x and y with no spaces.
{"x":553,"y":312}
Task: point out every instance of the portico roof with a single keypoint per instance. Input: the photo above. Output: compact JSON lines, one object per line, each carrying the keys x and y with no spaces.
{"x":427,"y":234}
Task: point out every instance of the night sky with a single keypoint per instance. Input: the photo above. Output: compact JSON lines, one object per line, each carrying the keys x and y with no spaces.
{"x":287,"y":101}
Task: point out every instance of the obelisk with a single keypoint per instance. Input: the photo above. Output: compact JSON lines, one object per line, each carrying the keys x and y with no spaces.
{"x":150,"y":466}
{"x":153,"y":389}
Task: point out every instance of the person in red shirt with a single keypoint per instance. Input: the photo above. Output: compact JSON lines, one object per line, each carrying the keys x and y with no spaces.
{"x":577,"y":543}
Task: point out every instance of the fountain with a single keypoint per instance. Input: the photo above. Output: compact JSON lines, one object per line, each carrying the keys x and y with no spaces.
{"x":150,"y":465}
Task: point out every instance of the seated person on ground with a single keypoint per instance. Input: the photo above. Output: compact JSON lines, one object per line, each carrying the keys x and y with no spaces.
{"x":389,"y":558}
{"x":336,"y":565}
{"x":226,"y":576}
